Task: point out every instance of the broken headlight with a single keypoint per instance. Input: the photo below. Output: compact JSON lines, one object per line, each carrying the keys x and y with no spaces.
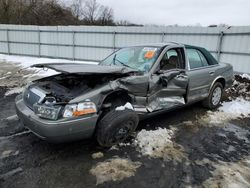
{"x":47,"y":112}
{"x":74,"y":110}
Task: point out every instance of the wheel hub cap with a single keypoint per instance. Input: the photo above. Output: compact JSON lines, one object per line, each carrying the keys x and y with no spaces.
{"x":216,"y":96}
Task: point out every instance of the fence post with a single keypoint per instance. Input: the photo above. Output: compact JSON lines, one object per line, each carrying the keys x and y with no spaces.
{"x":219,"y":45}
{"x":162,"y":37}
{"x":39,"y":43}
{"x":74,"y":50}
{"x":8,"y":41}
{"x":114,"y":40}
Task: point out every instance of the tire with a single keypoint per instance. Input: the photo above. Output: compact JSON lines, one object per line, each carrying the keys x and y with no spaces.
{"x":214,"y":98}
{"x":115,"y":127}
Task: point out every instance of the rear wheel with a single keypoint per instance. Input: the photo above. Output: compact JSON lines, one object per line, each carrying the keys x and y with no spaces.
{"x":214,"y":98}
{"x":116,"y":126}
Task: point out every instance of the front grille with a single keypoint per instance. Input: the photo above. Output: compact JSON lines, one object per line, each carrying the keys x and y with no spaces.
{"x":32,"y":96}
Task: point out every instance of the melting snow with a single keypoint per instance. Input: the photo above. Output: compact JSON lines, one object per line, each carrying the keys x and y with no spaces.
{"x":97,"y":155}
{"x":229,"y":110}
{"x":237,"y":108}
{"x":14,"y":91}
{"x":114,"y":170}
{"x":230,"y":175}
{"x":158,"y":144}
{"x":247,"y":76}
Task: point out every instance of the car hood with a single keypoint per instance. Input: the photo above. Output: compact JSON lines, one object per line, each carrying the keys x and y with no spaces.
{"x":79,"y":68}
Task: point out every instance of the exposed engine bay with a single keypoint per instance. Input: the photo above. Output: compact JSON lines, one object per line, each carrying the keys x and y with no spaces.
{"x":62,"y":88}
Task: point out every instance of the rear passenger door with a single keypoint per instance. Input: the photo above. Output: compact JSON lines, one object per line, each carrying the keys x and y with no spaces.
{"x":200,"y":74}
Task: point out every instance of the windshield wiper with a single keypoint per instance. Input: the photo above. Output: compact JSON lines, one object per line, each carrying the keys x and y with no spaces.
{"x":114,"y":60}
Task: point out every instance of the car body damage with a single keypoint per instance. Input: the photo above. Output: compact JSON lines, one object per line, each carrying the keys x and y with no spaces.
{"x":151,"y":78}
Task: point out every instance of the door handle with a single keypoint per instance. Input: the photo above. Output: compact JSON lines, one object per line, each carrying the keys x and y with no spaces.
{"x":211,"y":72}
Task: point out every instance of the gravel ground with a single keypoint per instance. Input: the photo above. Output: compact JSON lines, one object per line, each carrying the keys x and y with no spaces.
{"x":195,"y":154}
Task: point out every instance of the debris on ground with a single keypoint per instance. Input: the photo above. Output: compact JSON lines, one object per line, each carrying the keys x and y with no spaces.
{"x":240,"y":88}
{"x":97,"y":155}
{"x":158,"y":144}
{"x":114,"y":170}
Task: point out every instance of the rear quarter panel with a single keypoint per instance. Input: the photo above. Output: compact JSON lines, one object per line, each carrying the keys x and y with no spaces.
{"x":225,"y":71}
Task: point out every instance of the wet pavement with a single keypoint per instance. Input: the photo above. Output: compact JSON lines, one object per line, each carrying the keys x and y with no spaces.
{"x":214,"y":155}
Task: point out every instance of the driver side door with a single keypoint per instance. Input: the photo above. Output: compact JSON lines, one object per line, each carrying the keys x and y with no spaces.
{"x":168,"y":85}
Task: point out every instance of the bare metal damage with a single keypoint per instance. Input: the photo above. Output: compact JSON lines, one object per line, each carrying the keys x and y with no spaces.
{"x":147,"y":94}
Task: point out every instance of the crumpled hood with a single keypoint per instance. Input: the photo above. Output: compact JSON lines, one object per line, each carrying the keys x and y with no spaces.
{"x":79,"y":68}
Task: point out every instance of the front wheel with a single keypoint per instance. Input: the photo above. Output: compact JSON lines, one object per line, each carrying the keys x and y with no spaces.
{"x":116,"y":126}
{"x":214,"y":98}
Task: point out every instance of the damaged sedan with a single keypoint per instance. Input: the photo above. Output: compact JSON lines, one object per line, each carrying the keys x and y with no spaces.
{"x":106,"y":101}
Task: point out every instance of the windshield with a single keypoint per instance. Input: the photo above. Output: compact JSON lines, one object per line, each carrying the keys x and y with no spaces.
{"x":140,"y":58}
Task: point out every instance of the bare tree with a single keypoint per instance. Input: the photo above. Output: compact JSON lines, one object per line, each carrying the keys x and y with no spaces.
{"x":90,"y":11}
{"x":106,"y":16}
{"x":77,"y":8}
{"x":35,"y":12}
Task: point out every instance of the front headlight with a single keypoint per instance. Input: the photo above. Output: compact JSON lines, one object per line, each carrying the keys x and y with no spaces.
{"x":73,"y":110}
{"x":47,"y":112}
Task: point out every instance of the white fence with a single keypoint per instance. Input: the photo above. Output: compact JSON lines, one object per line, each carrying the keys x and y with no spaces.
{"x":93,"y":43}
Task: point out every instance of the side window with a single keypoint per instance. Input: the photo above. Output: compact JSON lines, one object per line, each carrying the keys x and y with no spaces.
{"x":203,"y":59}
{"x":194,"y":58}
{"x":172,"y":59}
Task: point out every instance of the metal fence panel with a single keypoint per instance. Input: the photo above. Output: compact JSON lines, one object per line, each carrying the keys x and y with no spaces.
{"x":3,"y":47}
{"x":230,"y":45}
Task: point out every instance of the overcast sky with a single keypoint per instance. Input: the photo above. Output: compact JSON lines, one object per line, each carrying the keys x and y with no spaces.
{"x":181,"y":12}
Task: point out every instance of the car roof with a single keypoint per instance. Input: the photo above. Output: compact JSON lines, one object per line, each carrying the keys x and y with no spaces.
{"x":168,"y":44}
{"x":160,"y":44}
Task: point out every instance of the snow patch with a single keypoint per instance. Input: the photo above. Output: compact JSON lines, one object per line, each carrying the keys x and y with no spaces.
{"x":26,"y":62}
{"x":114,"y":170}
{"x":12,"y":91}
{"x":158,"y":144}
{"x":126,"y":106}
{"x":237,"y":108}
{"x":230,"y":175}
{"x":97,"y":155}
{"x":247,"y":76}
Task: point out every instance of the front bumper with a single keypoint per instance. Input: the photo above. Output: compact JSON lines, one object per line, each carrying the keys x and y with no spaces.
{"x":56,"y":131}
